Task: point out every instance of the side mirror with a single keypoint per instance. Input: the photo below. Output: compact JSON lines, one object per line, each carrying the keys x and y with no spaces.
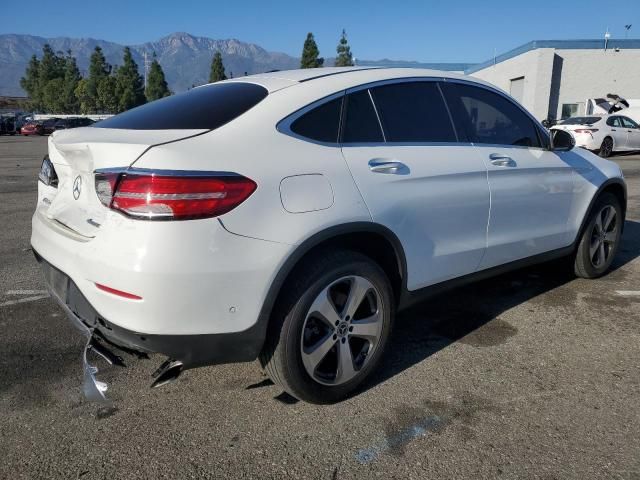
{"x":562,"y":141}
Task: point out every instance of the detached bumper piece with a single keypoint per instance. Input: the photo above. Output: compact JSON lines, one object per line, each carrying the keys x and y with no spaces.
{"x":103,"y":338}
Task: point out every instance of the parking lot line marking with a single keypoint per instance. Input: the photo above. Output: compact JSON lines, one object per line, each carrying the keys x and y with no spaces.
{"x":628,"y":293}
{"x":26,"y":292}
{"x":23,"y":300}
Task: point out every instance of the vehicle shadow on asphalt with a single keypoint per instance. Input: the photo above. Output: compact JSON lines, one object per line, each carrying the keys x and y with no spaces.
{"x":470,"y":314}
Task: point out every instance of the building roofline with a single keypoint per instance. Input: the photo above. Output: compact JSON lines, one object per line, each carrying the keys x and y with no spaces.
{"x":593,"y":44}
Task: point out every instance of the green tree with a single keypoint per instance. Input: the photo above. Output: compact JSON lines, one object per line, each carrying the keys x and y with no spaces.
{"x":50,"y":68}
{"x":217,"y":69}
{"x":30,"y":83}
{"x":98,"y":70}
{"x":129,"y":83}
{"x":85,"y":102}
{"x":344,"y":58}
{"x":107,"y":97}
{"x":71,"y":78}
{"x":52,"y":97}
{"x":156,"y":84}
{"x":310,"y":54}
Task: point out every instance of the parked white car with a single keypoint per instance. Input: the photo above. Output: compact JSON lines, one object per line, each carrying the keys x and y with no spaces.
{"x":603,"y":134}
{"x":287,"y":216}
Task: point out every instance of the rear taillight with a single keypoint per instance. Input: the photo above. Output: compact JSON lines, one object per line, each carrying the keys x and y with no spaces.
{"x":162,"y":195}
{"x":590,"y":131}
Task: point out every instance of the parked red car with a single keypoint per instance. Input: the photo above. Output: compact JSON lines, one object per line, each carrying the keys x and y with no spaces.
{"x":32,"y":128}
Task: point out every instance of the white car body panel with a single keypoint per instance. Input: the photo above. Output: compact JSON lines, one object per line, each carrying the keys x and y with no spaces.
{"x":530,"y":203}
{"x":443,"y":236}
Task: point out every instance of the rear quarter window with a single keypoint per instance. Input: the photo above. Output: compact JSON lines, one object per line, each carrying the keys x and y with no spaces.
{"x":207,"y":107}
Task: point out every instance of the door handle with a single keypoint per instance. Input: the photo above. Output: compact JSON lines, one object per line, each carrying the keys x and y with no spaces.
{"x":613,"y":130}
{"x":384,"y":165}
{"x":501,"y":160}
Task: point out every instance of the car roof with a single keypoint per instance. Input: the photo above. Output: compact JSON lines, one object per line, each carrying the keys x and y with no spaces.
{"x":343,"y":77}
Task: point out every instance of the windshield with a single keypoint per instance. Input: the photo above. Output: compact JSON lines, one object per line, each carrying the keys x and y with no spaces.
{"x":581,"y":121}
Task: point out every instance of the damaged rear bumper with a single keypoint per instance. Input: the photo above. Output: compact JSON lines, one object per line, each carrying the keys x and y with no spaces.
{"x":108,"y":339}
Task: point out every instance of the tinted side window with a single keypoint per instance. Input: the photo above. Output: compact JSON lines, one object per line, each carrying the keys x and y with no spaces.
{"x":320,"y":123}
{"x":361,"y":123}
{"x":614,"y":122}
{"x":413,"y":112}
{"x":628,"y":123}
{"x":489,"y":117}
{"x":205,"y":107}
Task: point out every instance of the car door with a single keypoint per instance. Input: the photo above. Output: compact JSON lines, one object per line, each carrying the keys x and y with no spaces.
{"x":531,"y":187}
{"x":617,"y":132}
{"x":633,"y":133}
{"x":417,"y":177}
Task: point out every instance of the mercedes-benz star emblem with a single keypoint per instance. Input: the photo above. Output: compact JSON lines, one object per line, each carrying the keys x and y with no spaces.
{"x":77,"y":187}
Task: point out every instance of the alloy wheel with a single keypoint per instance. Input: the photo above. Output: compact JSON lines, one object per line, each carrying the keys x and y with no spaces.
{"x":341,"y":330}
{"x":603,"y":236}
{"x":606,"y":148}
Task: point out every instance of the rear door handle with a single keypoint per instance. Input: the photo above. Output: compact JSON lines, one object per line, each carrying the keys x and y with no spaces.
{"x":501,"y":160}
{"x":386,"y":165}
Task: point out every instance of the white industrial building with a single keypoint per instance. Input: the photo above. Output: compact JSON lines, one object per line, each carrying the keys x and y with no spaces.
{"x":554,"y":78}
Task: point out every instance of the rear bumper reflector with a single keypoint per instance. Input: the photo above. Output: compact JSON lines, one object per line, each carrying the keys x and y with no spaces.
{"x":119,"y":293}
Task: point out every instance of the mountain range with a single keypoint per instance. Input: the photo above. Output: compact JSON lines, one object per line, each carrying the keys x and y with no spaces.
{"x":185,"y":58}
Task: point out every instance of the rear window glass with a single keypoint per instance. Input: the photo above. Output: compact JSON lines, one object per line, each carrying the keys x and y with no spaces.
{"x":361,"y":124}
{"x":413,"y":112}
{"x":321,"y":123}
{"x":581,"y":121}
{"x":207,"y":107}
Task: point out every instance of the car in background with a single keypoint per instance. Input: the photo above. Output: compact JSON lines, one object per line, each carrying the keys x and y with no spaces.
{"x":72,"y":122}
{"x":603,"y":134}
{"x":32,"y":128}
{"x":7,"y":125}
{"x":49,"y":125}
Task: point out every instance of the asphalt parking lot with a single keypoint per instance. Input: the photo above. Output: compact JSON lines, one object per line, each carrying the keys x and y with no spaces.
{"x":534,"y":374}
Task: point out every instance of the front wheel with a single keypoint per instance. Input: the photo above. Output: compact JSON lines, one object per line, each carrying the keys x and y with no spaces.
{"x":601,"y":238}
{"x":330,"y":330}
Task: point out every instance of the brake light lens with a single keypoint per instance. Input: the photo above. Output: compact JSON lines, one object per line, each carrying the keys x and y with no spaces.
{"x":590,"y":131}
{"x":172,"y":196}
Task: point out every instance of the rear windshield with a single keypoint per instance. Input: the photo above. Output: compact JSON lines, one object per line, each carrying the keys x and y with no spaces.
{"x":207,"y":107}
{"x":581,"y":121}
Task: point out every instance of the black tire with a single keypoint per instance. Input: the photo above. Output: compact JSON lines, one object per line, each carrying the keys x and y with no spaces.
{"x":584,"y":264}
{"x":282,"y":354}
{"x":606,"y":149}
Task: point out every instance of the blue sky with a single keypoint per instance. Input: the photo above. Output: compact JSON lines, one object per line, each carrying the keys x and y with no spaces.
{"x":427,"y":31}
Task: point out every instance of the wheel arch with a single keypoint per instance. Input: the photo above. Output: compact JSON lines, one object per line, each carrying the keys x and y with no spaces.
{"x":617,"y":187}
{"x":371,"y":239}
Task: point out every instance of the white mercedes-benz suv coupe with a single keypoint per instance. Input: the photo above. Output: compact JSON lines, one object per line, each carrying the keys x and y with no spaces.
{"x":287,"y":216}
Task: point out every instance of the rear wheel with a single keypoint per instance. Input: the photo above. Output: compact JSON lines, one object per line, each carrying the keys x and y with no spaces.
{"x":606,"y":149}
{"x":601,"y":238}
{"x":329,"y":332}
